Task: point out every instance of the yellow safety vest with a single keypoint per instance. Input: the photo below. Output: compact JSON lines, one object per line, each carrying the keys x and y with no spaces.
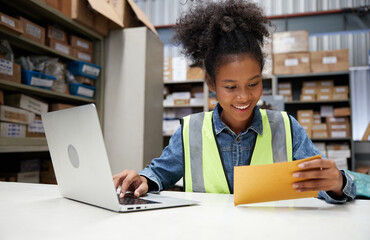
{"x":203,"y":167}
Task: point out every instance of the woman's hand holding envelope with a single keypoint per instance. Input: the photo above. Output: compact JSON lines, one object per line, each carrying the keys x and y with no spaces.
{"x":322,"y":175}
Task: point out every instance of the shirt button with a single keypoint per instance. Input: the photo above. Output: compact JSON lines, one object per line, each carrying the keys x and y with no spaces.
{"x":238,"y":139}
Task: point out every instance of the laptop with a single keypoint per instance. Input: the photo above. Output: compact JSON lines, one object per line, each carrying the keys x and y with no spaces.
{"x":81,"y":163}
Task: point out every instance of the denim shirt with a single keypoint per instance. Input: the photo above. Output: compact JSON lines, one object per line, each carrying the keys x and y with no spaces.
{"x":236,"y":150}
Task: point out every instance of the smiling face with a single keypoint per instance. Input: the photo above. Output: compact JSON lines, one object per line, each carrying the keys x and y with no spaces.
{"x":238,"y":86}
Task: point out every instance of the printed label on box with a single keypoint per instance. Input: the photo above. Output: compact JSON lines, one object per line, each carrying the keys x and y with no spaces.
{"x":309,"y":91}
{"x":34,"y":31}
{"x":291,"y":62}
{"x":304,"y":59}
{"x":82,"y":44}
{"x":55,"y":33}
{"x":340,"y":90}
{"x":6,"y":67}
{"x":35,"y":81}
{"x":343,"y":126}
{"x":90,"y":70}
{"x":85,"y":92}
{"x":329,"y":60}
{"x":8,"y":21}
{"x":62,"y":48}
{"x":84,"y":56}
{"x":36,"y":127}
{"x":339,"y":134}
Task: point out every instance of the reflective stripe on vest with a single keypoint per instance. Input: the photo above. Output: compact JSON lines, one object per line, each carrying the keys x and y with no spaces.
{"x":203,"y":167}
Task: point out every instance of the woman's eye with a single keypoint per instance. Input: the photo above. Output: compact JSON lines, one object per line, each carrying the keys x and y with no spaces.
{"x":253,"y":84}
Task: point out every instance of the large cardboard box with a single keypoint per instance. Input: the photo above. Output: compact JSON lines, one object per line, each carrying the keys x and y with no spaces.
{"x":330,"y":61}
{"x":287,"y":42}
{"x":291,"y":63}
{"x":319,"y":134}
{"x":307,"y":97}
{"x":342,"y":112}
{"x":340,"y":93}
{"x":10,"y":23}
{"x":131,"y":15}
{"x":10,"y":71}
{"x":195,"y":73}
{"x":32,"y":31}
{"x":35,"y":129}
{"x":82,"y":55}
{"x":304,"y":114}
{"x":15,"y":115}
{"x":309,"y":90}
{"x":26,"y":102}
{"x":324,"y":97}
{"x":59,"y":106}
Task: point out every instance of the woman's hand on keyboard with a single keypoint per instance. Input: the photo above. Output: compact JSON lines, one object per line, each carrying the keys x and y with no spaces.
{"x":130,"y":181}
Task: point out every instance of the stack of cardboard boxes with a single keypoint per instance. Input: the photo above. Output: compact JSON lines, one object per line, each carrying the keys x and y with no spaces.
{"x":338,"y":152}
{"x":323,"y":90}
{"x":291,"y":56}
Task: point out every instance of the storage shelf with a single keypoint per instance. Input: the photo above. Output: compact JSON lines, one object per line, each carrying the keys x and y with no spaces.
{"x":8,"y":85}
{"x":30,"y":45}
{"x":307,"y":75}
{"x":44,"y":11}
{"x":329,"y":139}
{"x":185,"y":81}
{"x":315,"y":102}
{"x":23,"y":145}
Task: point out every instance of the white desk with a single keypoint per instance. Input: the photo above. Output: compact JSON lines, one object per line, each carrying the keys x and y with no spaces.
{"x":36,"y":211}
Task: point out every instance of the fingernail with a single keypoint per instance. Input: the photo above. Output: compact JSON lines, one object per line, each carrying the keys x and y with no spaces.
{"x":298,"y":190}
{"x":121,"y":195}
{"x":296,"y":175}
{"x":301,"y":165}
{"x":295,"y":185}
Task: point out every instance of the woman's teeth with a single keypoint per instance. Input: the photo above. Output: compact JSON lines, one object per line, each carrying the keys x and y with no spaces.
{"x":242,"y":107}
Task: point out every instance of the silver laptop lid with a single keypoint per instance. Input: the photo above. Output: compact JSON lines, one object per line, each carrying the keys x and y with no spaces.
{"x":79,"y":156}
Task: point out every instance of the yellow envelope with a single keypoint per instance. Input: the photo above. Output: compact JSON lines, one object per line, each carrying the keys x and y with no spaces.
{"x":269,"y":182}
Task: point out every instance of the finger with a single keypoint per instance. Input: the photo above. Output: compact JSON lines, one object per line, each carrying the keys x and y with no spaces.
{"x":142,"y":189}
{"x":126,"y":183}
{"x":312,"y":174}
{"x":316,"y":163}
{"x":117,"y":179}
{"x":312,"y":185}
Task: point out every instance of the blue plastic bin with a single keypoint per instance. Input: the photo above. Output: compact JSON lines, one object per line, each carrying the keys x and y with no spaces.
{"x":80,"y":68}
{"x":82,"y":90}
{"x":37,"y":79}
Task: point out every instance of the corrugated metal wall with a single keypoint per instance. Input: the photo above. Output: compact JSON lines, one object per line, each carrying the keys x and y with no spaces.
{"x":164,"y":12}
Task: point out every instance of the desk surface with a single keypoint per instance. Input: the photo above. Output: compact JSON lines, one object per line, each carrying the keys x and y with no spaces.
{"x":37,"y":211}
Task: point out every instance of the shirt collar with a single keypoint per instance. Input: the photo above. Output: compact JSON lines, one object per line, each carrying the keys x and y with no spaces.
{"x":220,"y":126}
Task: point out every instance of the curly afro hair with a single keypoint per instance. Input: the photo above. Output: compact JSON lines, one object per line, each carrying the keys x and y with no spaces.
{"x":217,"y":32}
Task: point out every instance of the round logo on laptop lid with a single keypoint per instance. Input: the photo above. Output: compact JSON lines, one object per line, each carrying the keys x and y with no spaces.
{"x":73,"y":156}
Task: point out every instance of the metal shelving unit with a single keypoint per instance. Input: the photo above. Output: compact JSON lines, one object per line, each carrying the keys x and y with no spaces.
{"x":39,"y":11}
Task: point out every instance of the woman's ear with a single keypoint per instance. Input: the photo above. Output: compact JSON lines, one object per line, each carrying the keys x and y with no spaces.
{"x":210,"y":83}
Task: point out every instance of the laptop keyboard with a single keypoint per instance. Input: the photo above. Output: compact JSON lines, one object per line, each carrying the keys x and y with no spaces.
{"x":130,"y":199}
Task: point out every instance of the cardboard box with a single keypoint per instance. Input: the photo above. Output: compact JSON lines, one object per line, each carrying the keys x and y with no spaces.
{"x":35,"y":129}
{"x":340,"y":93}
{"x":325,"y":90}
{"x":286,"y":85}
{"x":91,"y":13}
{"x":167,"y":69}
{"x":131,"y":15}
{"x":1,"y":97}
{"x":325,"y":83}
{"x":338,"y":126}
{"x":212,"y":102}
{"x":308,"y":97}
{"x":310,"y":84}
{"x":339,"y":133}
{"x":326,"y":111}
{"x":85,"y":80}
{"x":59,"y":106}
{"x":304,"y":114}
{"x":60,"y":86}
{"x":330,"y":61}
{"x":29,"y":177}
{"x":337,"y":120}
{"x":55,"y":33}
{"x":13,"y":130}
{"x":292,"y":41}
{"x":52,"y":3}
{"x":309,"y":90}
{"x":32,"y":31}
{"x":10,"y":23}
{"x":291,"y":63}
{"x":321,"y":126}
{"x":285,"y":91}
{"x":15,"y":115}
{"x":324,"y":97}
{"x":342,"y":112}
{"x":10,"y":71}
{"x":82,"y":55}
{"x":26,"y":102}
{"x":317,"y":134}
{"x":81,"y":44}
{"x":60,"y":46}
{"x":195,"y":73}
